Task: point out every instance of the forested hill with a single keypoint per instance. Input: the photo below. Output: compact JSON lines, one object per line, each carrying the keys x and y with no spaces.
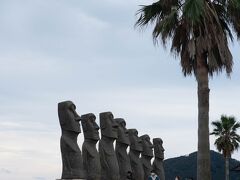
{"x":186,"y":167}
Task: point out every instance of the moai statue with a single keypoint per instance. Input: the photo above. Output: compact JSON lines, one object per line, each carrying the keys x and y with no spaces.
{"x":159,"y":156}
{"x":122,"y":143}
{"x":147,"y":155}
{"x":135,"y":150}
{"x":72,"y":165}
{"x":108,"y":158}
{"x":91,"y":160}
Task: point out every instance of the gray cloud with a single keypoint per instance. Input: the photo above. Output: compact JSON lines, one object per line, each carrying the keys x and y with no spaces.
{"x":5,"y":171}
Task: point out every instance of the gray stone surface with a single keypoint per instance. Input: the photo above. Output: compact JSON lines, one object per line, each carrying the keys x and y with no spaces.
{"x":122,"y":144}
{"x":147,"y":155}
{"x":91,"y":159}
{"x":108,"y":158}
{"x":135,"y":150}
{"x":72,"y":166}
{"x":159,"y":157}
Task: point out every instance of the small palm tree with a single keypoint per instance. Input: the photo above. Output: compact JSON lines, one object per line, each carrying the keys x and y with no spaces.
{"x":227,"y":140}
{"x":198,"y":32}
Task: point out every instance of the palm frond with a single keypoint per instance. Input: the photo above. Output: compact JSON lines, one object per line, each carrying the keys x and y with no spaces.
{"x":165,"y":27}
{"x":195,"y":27}
{"x":193,"y":10}
{"x":233,"y":13}
{"x":236,"y":126}
{"x":148,"y":14}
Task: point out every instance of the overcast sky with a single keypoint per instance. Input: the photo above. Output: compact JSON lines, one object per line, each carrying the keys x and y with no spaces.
{"x":90,"y":53}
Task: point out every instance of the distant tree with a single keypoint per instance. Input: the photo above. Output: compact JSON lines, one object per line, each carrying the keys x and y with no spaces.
{"x":198,"y":32}
{"x":227,"y":140}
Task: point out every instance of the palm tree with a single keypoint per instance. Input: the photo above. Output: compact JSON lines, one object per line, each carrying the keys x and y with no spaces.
{"x":198,"y":31}
{"x":227,"y":140}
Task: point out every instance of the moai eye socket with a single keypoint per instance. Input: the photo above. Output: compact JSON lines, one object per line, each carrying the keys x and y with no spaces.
{"x":111,"y":116}
{"x":72,"y":107}
{"x":123,"y":124}
{"x":135,"y":133}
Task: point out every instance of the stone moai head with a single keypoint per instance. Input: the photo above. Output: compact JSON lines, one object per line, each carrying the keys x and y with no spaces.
{"x":108,"y":125}
{"x":158,"y":148}
{"x":123,"y":136}
{"x":135,"y":141}
{"x":147,"y":146}
{"x":90,"y":127}
{"x":68,"y":117}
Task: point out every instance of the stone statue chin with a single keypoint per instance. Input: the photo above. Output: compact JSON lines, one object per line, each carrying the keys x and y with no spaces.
{"x":108,"y":158}
{"x":72,"y":165}
{"x":122,"y":143}
{"x":91,"y":159}
{"x":159,"y":156}
{"x":135,"y":150}
{"x":147,"y":155}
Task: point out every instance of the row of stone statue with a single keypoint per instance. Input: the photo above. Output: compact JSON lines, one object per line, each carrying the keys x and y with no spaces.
{"x":106,"y":163}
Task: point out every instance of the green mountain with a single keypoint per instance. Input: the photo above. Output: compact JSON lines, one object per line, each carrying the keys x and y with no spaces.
{"x":186,"y":167}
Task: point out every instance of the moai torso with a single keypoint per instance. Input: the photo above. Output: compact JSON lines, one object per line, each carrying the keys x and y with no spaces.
{"x":108,"y":158}
{"x":122,"y":143}
{"x":91,"y":159}
{"x":159,"y":157}
{"x":135,"y":150}
{"x":147,"y":155}
{"x":72,"y":165}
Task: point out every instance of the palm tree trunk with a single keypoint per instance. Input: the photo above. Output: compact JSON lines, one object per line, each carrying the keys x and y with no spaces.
{"x":226,"y":168}
{"x":203,"y":155}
